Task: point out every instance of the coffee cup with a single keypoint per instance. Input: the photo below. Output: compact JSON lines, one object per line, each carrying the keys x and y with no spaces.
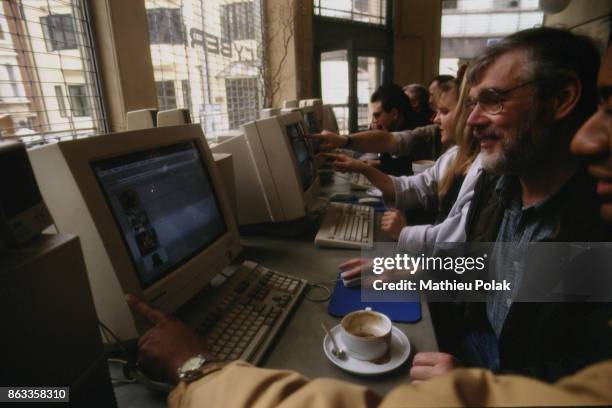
{"x":419,"y":166}
{"x":366,"y":334}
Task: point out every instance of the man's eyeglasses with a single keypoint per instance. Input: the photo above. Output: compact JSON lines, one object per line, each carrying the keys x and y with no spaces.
{"x":491,"y":100}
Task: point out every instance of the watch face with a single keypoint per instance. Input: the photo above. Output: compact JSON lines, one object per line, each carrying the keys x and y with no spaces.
{"x":193,"y":363}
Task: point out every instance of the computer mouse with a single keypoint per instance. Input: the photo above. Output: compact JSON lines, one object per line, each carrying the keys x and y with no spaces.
{"x":371,"y":201}
{"x":351,"y":283}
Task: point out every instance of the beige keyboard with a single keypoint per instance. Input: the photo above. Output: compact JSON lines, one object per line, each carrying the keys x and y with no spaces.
{"x":347,"y":226}
{"x":248,"y":316}
{"x":360,"y":182}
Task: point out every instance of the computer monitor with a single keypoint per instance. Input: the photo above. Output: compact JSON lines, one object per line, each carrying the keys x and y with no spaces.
{"x":173,"y":117}
{"x":313,"y":105}
{"x":151,"y":213}
{"x":142,"y":119}
{"x":284,"y":161}
{"x":329,"y":119}
{"x":251,"y":201}
{"x":269,"y":112}
{"x":311,"y":119}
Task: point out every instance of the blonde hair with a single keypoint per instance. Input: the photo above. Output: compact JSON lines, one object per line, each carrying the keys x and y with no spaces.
{"x":468,"y":146}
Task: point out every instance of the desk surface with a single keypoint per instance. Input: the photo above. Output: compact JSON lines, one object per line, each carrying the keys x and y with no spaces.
{"x":300,"y":345}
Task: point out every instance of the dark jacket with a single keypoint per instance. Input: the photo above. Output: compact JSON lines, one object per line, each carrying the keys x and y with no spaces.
{"x":544,"y":340}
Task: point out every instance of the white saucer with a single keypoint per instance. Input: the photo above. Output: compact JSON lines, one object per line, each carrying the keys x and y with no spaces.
{"x":374,"y":192}
{"x":399,"y":353}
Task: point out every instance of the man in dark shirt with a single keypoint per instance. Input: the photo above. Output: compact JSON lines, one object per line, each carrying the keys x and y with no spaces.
{"x":529,"y":95}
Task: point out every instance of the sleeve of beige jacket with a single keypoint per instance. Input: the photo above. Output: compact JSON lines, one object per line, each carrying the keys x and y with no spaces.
{"x":481,"y":388}
{"x":241,"y":385}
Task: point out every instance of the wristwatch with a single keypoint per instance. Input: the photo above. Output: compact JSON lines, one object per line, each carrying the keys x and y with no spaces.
{"x":191,"y":370}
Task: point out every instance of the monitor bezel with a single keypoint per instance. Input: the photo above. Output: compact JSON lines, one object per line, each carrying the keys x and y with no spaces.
{"x":178,"y":287}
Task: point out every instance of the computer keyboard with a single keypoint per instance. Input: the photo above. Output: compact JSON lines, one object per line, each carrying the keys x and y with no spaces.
{"x":347,"y":226}
{"x":360,"y":182}
{"x":248,"y":317}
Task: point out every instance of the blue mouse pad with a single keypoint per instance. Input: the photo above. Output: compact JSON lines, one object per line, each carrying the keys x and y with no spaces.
{"x":345,"y":300}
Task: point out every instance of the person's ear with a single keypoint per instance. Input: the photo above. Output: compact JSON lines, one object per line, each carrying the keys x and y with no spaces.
{"x":394,"y":113}
{"x":567,"y":98}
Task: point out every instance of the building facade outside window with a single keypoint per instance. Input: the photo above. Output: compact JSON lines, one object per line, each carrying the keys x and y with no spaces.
{"x":61,"y":103}
{"x":46,"y":57}
{"x":59,"y":32}
{"x":166,"y":26}
{"x":222,"y":48}
{"x":166,"y":95}
{"x":78,"y":100}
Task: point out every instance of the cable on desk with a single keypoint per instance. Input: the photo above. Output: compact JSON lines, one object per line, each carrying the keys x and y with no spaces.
{"x":322,"y":286}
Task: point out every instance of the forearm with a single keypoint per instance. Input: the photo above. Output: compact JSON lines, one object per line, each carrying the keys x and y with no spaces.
{"x":382,"y":181}
{"x":373,"y":141}
{"x":242,"y":385}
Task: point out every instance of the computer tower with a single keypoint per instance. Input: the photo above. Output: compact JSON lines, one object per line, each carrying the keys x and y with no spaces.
{"x":50,"y":333}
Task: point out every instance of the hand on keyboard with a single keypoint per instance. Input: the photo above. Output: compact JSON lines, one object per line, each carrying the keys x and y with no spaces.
{"x":164,"y":348}
{"x":392,"y":222}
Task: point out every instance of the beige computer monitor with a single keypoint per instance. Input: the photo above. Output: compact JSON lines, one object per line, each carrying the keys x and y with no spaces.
{"x":142,"y":119}
{"x":269,"y":112}
{"x":329,"y":119}
{"x":251,"y":201}
{"x":284,"y":164}
{"x":162,"y":180}
{"x":173,"y":117}
{"x":313,"y":105}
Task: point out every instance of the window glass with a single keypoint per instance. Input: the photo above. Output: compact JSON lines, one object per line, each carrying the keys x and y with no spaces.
{"x":46,"y":52}
{"x":469,"y":25}
{"x":215,"y":67}
{"x":365,"y":11}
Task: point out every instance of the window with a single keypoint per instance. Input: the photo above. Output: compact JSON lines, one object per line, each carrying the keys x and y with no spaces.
{"x":242,"y":100}
{"x":221,"y":54}
{"x":237,"y":21}
{"x":366,"y":11}
{"x":468,"y":26}
{"x":166,"y":26}
{"x":61,"y":103}
{"x":12,"y":78}
{"x":78,"y":100}
{"x":186,"y":88}
{"x":47,"y":49}
{"x":58,"y":30}
{"x":166,"y":96}
{"x":449,"y":4}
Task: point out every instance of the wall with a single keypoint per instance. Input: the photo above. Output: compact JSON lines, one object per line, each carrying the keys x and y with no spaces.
{"x":417,"y":40}
{"x":580,"y":11}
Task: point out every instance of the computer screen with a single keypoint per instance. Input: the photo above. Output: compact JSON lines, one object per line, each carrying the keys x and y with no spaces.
{"x":302,"y":155}
{"x":311,"y":122}
{"x":164,"y":206}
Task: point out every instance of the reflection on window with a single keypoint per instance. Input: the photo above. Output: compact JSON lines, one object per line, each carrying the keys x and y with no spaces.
{"x":78,"y":100}
{"x":166,"y":26}
{"x":366,"y":11}
{"x":59,"y":32}
{"x":166,"y":96}
{"x":217,"y":71}
{"x":47,"y":70}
